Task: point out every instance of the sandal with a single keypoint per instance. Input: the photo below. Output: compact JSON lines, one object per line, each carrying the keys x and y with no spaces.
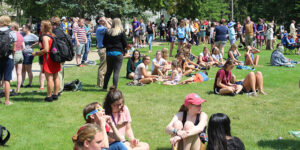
{"x":9,"y":103}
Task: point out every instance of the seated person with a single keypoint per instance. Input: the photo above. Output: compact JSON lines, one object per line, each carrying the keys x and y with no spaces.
{"x":249,"y":56}
{"x":277,"y":57}
{"x":141,"y":74}
{"x":217,"y":57}
{"x":182,"y":64}
{"x":204,"y":59}
{"x":176,"y":74}
{"x":197,"y":78}
{"x":219,"y":134}
{"x":159,"y":65}
{"x":130,"y":50}
{"x":234,"y":54}
{"x":186,"y":126}
{"x":115,"y":107}
{"x":289,"y":42}
{"x":189,"y":47}
{"x":190,"y":64}
{"x":165,"y":56}
{"x":132,"y":63}
{"x":94,"y":113}
{"x":250,"y":84}
{"x":90,"y":137}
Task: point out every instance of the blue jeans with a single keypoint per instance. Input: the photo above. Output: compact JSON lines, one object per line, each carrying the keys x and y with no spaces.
{"x":86,"y":52}
{"x":150,"y":38}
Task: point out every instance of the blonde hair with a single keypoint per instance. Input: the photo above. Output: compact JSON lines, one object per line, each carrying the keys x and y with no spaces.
{"x":86,"y":133}
{"x":165,"y":54}
{"x":4,"y":21}
{"x":15,"y":26}
{"x":233,"y":46}
{"x":47,"y":27}
{"x":116,"y":27}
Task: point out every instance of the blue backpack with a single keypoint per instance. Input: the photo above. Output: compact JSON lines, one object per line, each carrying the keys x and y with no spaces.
{"x":181,"y":33}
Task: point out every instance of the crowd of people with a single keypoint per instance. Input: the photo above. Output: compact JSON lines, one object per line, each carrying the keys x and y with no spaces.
{"x":107,"y":125}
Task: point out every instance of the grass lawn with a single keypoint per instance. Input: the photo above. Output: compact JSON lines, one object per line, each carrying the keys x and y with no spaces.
{"x":258,"y":121}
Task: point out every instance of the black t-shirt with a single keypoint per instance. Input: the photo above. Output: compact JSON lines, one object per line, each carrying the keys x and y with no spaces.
{"x":234,"y":143}
{"x":149,"y":29}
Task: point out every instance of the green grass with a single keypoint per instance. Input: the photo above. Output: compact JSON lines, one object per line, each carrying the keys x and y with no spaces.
{"x":258,"y":121}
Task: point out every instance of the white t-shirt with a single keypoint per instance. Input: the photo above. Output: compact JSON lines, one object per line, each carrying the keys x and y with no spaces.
{"x":138,"y":71}
{"x":270,"y":33}
{"x":160,"y":63}
{"x":218,"y":56}
{"x":292,"y":28}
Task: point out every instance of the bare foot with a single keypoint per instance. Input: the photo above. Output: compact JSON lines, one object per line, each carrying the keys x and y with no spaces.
{"x":263,"y":93}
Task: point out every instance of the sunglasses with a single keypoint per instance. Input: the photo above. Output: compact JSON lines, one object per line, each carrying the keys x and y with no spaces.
{"x":93,"y":112}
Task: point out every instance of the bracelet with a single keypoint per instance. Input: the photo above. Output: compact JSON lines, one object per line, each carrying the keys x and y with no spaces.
{"x":174,"y":131}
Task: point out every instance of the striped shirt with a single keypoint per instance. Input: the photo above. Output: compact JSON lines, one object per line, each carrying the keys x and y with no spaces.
{"x":80,"y":34}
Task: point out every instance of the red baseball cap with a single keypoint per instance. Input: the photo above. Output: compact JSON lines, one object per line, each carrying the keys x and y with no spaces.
{"x":194,"y":99}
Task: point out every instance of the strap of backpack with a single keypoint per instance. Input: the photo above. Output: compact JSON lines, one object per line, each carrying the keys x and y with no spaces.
{"x":3,"y":141}
{"x":197,"y":119}
{"x":184,"y":117}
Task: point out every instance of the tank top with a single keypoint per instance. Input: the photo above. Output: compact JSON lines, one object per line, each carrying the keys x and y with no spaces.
{"x":19,"y":42}
{"x":235,"y":55}
{"x":149,"y":29}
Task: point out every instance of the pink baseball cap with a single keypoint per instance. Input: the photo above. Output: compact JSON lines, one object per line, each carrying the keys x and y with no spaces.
{"x":194,"y":99}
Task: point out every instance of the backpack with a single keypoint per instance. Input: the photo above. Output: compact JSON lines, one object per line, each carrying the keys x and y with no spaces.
{"x":181,"y":33}
{"x":5,"y":44}
{"x":75,"y":85}
{"x":3,"y":141}
{"x":62,"y":48}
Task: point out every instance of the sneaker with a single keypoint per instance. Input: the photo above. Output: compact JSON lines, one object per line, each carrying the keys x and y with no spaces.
{"x":28,"y":86}
{"x":55,"y":97}
{"x":80,"y":65}
{"x":48,"y":99}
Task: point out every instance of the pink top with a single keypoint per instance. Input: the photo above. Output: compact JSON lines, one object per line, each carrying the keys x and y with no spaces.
{"x":119,"y":118}
{"x":19,"y":42}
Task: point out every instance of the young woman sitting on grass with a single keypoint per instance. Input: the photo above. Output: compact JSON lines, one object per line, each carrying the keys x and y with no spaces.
{"x":182,"y":64}
{"x":159,"y":65}
{"x":93,"y":113}
{"x":141,"y":74}
{"x":165,"y":56}
{"x":205,"y":60}
{"x":190,"y":64}
{"x":250,"y":84}
{"x":90,"y":137}
{"x":217,"y":57}
{"x":249,"y":56}
{"x":187,"y":124}
{"x":132,"y":63}
{"x":234,"y":54}
{"x":197,"y":78}
{"x":176,"y":74}
{"x":114,"y":106}
{"x":219,"y":136}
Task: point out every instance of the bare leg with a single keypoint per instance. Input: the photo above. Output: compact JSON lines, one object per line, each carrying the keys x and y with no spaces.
{"x":131,"y":75}
{"x":28,"y":69}
{"x":225,"y":91}
{"x":56,"y":83}
{"x":146,"y":80}
{"x":249,"y":83}
{"x":171,"y":48}
{"x":42,"y":78}
{"x":19,"y":76}
{"x":192,"y":142}
{"x":260,"y":82}
{"x":187,"y":72}
{"x":6,"y":91}
{"x":23,"y":74}
{"x":78,"y":57}
{"x":256,"y":59}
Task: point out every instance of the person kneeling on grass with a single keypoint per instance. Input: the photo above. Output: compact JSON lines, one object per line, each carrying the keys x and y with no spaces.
{"x":249,"y":56}
{"x":176,"y":74}
{"x":197,"y":78}
{"x":159,"y":65}
{"x":132,"y":63}
{"x":187,"y":124}
{"x":119,"y":112}
{"x":93,"y":113}
{"x":141,"y":75}
{"x":250,"y":84}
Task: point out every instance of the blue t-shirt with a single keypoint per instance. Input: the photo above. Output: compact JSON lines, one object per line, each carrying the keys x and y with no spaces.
{"x":100,"y":35}
{"x":221,"y":32}
{"x":135,"y":25}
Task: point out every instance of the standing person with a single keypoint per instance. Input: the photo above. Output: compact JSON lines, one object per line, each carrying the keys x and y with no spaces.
{"x":249,"y":30}
{"x":136,"y":26}
{"x":30,"y":40}
{"x":18,"y":54}
{"x":220,"y":33}
{"x":211,"y":34}
{"x":100,"y":32}
{"x":115,"y":43}
{"x":162,"y":30}
{"x":281,"y":30}
{"x":202,"y":32}
{"x":41,"y":61}
{"x":88,"y":31}
{"x":65,"y":25}
{"x":219,"y":136}
{"x":196,"y":31}
{"x":50,"y":67}
{"x":151,"y":32}
{"x":187,"y":125}
{"x":188,"y":32}
{"x":181,"y":34}
{"x":80,"y":40}
{"x":142,"y":33}
{"x":172,"y":36}
{"x":293,"y":29}
{"x":231,"y":33}
{"x":260,"y":33}
{"x":240,"y":34}
{"x":269,"y":37}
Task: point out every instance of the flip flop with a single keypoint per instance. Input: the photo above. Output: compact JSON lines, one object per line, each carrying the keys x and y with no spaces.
{"x":10,"y":103}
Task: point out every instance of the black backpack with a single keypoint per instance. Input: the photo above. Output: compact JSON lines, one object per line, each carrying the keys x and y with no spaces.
{"x":3,"y":141}
{"x":5,"y":44}
{"x":75,"y":85}
{"x":62,"y":47}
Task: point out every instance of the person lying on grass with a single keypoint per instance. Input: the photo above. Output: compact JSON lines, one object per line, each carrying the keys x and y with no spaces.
{"x":114,"y":106}
{"x":132,"y":63}
{"x":223,"y":86}
{"x":234,"y":54}
{"x":197,"y":78}
{"x":250,"y":60}
{"x":176,"y":74}
{"x":159,"y":65}
{"x":182,"y":64}
{"x":204,"y":59}
{"x":186,"y":126}
{"x":93,"y":113}
{"x":91,"y":137}
{"x":141,"y":74}
{"x":219,"y":136}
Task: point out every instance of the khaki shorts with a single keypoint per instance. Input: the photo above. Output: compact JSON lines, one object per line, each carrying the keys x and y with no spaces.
{"x":142,"y":37}
{"x":80,"y":49}
{"x":220,"y":43}
{"x":18,"y":57}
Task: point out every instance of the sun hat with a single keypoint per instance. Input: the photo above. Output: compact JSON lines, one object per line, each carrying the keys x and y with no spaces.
{"x":63,"y":18}
{"x":230,"y":24}
{"x":194,"y":99}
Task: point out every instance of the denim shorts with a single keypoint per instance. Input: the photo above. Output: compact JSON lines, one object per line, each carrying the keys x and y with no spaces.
{"x":27,"y":59}
{"x":6,"y":68}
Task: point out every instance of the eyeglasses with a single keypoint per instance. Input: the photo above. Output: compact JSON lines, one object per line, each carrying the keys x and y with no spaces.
{"x":93,"y":112}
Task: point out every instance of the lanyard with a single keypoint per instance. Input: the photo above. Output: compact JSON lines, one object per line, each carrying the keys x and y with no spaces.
{"x":113,"y":118}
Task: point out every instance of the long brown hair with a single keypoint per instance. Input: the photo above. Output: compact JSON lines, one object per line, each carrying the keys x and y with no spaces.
{"x":47,"y":27}
{"x":112,"y":96}
{"x":228,"y":63}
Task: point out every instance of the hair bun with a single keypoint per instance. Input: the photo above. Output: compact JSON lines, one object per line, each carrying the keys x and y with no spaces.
{"x":112,"y":88}
{"x":74,"y":138}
